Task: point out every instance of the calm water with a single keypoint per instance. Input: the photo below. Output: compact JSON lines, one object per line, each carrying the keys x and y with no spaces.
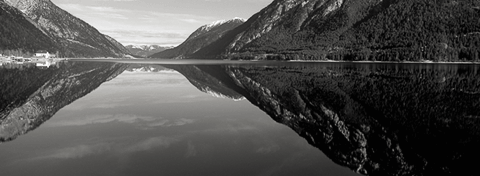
{"x":83,"y":118}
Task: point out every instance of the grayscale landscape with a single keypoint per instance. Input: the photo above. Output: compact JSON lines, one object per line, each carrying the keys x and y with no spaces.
{"x":245,"y":87}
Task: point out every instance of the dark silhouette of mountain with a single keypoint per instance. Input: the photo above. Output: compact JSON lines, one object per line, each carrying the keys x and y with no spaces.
{"x":202,"y":37}
{"x":373,"y":119}
{"x":74,"y":37}
{"x":443,"y":30}
{"x":31,"y":96}
{"x":146,"y":50}
{"x":201,"y":77}
{"x":18,"y":33}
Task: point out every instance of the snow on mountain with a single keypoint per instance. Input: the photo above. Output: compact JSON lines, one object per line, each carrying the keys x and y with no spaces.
{"x":220,"y":22}
{"x":146,"y":50}
{"x":200,"y":38}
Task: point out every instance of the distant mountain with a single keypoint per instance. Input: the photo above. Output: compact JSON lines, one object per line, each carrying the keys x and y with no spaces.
{"x":445,"y":30}
{"x":147,"y":68}
{"x":202,"y":37}
{"x":74,"y":37}
{"x":19,"y":33}
{"x":146,"y":50}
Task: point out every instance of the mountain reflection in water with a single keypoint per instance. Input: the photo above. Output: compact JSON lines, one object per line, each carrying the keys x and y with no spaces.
{"x":375,"y":119}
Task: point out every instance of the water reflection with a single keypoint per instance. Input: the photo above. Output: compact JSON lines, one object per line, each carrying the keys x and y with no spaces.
{"x":375,"y":119}
{"x":31,"y":96}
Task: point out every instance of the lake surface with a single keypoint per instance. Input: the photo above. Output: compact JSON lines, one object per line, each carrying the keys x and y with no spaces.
{"x":99,"y":118}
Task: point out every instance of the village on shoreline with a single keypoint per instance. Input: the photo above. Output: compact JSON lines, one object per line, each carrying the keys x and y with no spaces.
{"x":41,"y":59}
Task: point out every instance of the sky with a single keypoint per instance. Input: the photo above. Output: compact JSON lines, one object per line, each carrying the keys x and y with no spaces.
{"x":159,"y":22}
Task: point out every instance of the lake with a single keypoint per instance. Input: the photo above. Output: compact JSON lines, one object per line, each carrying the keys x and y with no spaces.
{"x":264,"y":118}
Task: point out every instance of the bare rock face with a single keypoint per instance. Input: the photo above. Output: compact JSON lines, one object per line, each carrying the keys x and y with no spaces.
{"x":76,"y":37}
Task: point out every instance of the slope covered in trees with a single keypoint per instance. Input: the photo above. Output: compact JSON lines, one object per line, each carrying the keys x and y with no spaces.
{"x":393,"y":30}
{"x":73,"y":36}
{"x":18,"y":33}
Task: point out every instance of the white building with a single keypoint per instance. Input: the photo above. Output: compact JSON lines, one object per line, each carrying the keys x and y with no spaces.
{"x":42,"y":53}
{"x":45,"y":64}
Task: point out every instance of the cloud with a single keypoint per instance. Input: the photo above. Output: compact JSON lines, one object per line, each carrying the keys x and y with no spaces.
{"x":144,"y":36}
{"x":230,"y":128}
{"x":113,"y":147}
{"x":142,"y":122}
{"x":79,"y":151}
{"x":151,"y":143}
{"x":109,"y":105}
{"x":99,"y":119}
{"x":191,"y":150}
{"x":129,"y":26}
{"x":167,"y":123}
{"x":268,"y":149}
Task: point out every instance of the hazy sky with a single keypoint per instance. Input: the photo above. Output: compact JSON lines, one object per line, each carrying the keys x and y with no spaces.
{"x":162,"y":22}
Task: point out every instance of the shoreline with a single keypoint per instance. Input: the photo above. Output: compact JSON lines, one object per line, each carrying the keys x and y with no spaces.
{"x":220,"y":62}
{"x":385,"y":62}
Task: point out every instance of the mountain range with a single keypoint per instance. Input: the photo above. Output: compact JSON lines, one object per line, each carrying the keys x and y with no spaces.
{"x":376,"y":30}
{"x":56,"y":30}
{"x":146,"y":50}
{"x":387,"y":30}
{"x":202,"y":37}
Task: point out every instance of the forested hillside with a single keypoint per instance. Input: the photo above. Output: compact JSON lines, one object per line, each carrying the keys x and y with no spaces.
{"x":72,"y":36}
{"x":388,"y":30}
{"x":18,"y":34}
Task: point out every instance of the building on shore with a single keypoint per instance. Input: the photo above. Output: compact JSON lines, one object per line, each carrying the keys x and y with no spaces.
{"x":46,"y":63}
{"x":44,"y":54}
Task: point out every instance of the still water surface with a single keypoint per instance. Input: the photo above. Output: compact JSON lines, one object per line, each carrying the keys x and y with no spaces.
{"x":281,"y":119}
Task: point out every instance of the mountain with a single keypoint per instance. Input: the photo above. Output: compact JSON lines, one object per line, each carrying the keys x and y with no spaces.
{"x":443,"y":30}
{"x":216,"y":86}
{"x":381,"y":122}
{"x":146,"y":50}
{"x":31,"y":96}
{"x":147,"y":68}
{"x":372,"y":119}
{"x":117,"y":44}
{"x":18,"y":33}
{"x":200,"y":38}
{"x":74,"y":37}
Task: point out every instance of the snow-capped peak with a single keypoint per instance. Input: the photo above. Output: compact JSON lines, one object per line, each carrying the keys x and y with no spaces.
{"x":220,"y":22}
{"x":147,"y":47}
